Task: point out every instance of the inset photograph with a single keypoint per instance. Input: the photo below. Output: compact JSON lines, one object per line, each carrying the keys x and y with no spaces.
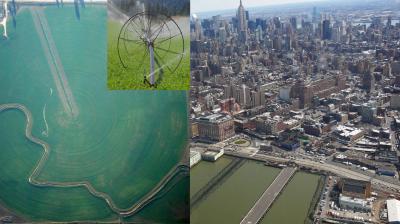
{"x":71,"y":151}
{"x":148,"y":45}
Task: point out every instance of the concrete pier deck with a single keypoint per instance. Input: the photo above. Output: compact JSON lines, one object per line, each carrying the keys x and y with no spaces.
{"x":268,"y":197}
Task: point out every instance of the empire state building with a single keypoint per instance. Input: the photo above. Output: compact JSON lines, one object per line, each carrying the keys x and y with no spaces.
{"x":242,"y":21}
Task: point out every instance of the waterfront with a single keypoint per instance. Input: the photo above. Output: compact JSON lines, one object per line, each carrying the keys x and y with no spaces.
{"x":293,"y":204}
{"x":243,"y":187}
{"x":233,"y":198}
{"x":202,"y":174}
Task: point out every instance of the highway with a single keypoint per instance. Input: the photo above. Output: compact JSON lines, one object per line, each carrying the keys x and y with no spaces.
{"x":268,"y":197}
{"x":54,"y":61}
{"x":337,"y":170}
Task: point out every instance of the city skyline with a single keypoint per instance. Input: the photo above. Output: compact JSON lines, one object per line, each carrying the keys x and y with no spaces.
{"x":198,"y":6}
{"x":306,"y":88}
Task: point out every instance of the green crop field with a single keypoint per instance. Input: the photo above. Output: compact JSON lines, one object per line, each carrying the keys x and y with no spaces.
{"x":120,"y":78}
{"x":121,"y":142}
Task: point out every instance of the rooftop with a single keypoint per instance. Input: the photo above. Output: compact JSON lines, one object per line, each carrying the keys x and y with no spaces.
{"x":215,"y":118}
{"x":393,"y":207}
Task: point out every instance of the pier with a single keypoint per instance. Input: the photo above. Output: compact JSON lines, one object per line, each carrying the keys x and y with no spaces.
{"x":235,"y":164}
{"x":268,"y":197}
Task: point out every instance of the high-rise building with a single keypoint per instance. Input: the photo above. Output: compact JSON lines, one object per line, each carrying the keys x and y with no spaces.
{"x":326,"y":30}
{"x":277,"y":43}
{"x":228,"y":92}
{"x":259,"y":33}
{"x":222,"y":34}
{"x":336,"y":34}
{"x":197,"y":28}
{"x":376,"y":22}
{"x":288,"y":42}
{"x":368,"y":81}
{"x":277,"y":22}
{"x":242,"y":21}
{"x":314,"y":15}
{"x":389,"y":21}
{"x":293,"y":23}
{"x":243,"y":96}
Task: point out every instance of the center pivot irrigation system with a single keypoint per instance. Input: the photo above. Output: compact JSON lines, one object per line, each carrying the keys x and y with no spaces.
{"x":155,"y":37}
{"x":6,"y":10}
{"x":9,"y":8}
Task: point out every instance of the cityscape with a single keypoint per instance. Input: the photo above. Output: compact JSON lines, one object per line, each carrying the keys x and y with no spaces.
{"x":294,"y":110}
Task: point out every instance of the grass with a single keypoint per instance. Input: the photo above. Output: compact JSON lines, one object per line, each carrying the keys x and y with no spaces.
{"x":240,"y":142}
{"x":120,"y":78}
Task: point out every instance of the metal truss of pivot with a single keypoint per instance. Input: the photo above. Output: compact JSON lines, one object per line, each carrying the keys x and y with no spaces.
{"x":156,"y":39}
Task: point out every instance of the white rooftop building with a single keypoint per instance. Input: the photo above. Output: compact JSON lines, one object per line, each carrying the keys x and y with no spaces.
{"x":393,"y":207}
{"x":195,"y":157}
{"x":356,"y":204}
{"x":212,"y":155}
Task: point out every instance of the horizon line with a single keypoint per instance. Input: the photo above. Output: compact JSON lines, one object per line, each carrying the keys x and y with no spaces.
{"x":264,"y":5}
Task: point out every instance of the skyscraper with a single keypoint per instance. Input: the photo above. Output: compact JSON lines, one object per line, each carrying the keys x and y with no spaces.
{"x":314,"y":15}
{"x":241,"y":16}
{"x":242,"y":21}
{"x":293,"y":22}
{"x":326,"y":30}
{"x":389,"y":21}
{"x":197,"y":28}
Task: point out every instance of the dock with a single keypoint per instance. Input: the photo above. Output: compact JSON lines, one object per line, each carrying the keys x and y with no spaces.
{"x":268,"y":197}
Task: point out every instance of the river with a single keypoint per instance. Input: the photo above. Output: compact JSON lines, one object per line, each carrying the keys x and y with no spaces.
{"x":231,"y":199}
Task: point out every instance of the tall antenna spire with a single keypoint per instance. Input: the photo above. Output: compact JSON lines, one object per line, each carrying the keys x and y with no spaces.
{"x":240,"y":2}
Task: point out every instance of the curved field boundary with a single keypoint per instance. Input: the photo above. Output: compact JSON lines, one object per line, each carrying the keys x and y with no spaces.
{"x":148,"y":198}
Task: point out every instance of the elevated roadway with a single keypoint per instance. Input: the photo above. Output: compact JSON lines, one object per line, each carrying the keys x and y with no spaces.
{"x":337,"y":170}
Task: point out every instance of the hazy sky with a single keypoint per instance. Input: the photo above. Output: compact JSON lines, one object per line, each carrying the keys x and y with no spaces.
{"x":214,"y":5}
{"x":55,"y":1}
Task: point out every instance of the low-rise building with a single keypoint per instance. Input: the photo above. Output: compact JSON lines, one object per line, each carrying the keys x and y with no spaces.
{"x":355,"y":188}
{"x":395,"y":101}
{"x":216,"y":127}
{"x":194,"y":129}
{"x":355,"y":204}
{"x":212,"y":154}
{"x":347,"y":134}
{"x":387,"y":156}
{"x":195,"y":157}
{"x":393,"y":208}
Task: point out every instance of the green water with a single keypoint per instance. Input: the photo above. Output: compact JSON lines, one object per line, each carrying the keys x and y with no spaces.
{"x":121,"y":142}
{"x":233,"y":198}
{"x":203,"y":172}
{"x":171,"y":209}
{"x":293,"y":204}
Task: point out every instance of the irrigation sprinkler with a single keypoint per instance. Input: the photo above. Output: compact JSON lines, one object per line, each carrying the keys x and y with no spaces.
{"x":157,"y":39}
